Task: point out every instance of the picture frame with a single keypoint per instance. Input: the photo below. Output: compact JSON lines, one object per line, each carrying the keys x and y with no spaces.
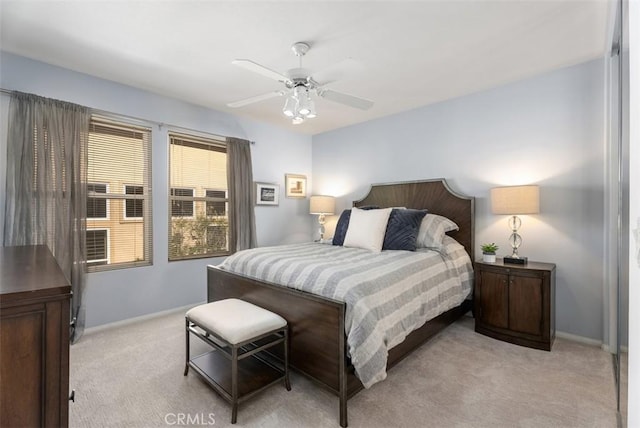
{"x":267,"y":194}
{"x":295,"y":186}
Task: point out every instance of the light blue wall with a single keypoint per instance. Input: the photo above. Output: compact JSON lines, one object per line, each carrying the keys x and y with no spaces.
{"x":121,"y":294}
{"x":548,"y":130}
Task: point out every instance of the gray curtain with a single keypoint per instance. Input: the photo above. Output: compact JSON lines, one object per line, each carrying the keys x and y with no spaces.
{"x":47,"y":144}
{"x":242,"y":220}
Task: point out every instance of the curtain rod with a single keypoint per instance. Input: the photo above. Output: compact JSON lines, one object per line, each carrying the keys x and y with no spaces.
{"x":139,"y":119}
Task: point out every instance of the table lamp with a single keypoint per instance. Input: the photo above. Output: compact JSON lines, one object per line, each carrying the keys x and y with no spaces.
{"x":322,"y":205}
{"x":515,"y":200}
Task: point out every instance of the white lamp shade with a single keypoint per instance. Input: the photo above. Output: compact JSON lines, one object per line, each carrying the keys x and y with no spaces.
{"x":289,"y":108}
{"x":322,"y":205}
{"x":514,"y":200}
{"x":304,"y":107}
{"x":312,"y":110}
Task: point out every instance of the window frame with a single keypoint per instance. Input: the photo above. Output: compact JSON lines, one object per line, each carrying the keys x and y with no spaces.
{"x":192,"y":201}
{"x":219,"y":144}
{"x":226,"y":202}
{"x":90,"y":263}
{"x":105,"y":127}
{"x":105,"y":198}
{"x":124,"y":205}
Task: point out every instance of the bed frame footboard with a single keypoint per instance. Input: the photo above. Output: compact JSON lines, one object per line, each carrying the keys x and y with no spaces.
{"x":316,"y":329}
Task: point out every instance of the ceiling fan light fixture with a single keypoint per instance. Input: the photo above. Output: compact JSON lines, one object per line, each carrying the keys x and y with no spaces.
{"x":312,"y":110}
{"x":290,"y":106}
{"x":304,"y":103}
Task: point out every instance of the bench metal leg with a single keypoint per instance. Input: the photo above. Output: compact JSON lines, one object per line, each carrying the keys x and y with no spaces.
{"x":287,"y":384}
{"x":234,"y":384}
{"x":343,"y":411}
{"x":186,"y":362}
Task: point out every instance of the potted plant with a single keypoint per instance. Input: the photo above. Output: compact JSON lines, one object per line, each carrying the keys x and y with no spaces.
{"x":489,"y":252}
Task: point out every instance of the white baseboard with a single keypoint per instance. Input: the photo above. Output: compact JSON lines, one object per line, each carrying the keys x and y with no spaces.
{"x":582,"y":339}
{"x":589,"y":341}
{"x":128,"y":321}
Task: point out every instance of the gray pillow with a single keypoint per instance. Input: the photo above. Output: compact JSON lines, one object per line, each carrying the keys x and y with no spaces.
{"x":402,"y":229}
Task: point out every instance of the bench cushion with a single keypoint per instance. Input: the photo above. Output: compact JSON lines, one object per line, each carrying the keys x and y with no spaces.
{"x":235,"y":320}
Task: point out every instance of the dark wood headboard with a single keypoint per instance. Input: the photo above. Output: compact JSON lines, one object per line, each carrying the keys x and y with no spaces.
{"x":433,"y":195}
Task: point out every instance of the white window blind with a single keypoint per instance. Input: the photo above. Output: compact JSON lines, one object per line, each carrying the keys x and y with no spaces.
{"x":119,"y":196}
{"x":198,"y":221}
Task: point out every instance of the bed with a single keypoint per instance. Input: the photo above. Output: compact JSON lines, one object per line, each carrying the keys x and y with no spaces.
{"x":319,"y":346}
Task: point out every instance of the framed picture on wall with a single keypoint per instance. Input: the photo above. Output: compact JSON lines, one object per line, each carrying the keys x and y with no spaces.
{"x":267,"y":194}
{"x":295,"y":185}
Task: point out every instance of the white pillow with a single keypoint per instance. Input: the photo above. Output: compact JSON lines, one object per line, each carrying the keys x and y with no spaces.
{"x":367,"y":228}
{"x":433,"y":229}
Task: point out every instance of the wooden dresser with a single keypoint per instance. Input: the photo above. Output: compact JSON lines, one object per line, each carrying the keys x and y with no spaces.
{"x":34,"y":339}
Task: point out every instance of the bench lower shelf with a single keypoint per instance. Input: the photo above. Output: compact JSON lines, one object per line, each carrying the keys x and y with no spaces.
{"x":254,"y":374}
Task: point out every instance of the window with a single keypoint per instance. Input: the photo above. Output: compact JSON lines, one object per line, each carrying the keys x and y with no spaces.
{"x":96,"y":208}
{"x":97,"y":247}
{"x":119,"y":195}
{"x":198,"y":198}
{"x":133,"y":208}
{"x":180,"y":207}
{"x":219,"y":207}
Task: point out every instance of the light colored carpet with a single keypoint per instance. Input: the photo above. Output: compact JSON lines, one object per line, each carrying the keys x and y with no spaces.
{"x":131,"y":376}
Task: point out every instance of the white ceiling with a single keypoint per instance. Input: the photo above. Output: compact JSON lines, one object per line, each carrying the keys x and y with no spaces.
{"x":399,"y":54}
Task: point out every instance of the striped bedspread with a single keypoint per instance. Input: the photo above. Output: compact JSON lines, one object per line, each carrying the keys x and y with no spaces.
{"x":387,"y":294}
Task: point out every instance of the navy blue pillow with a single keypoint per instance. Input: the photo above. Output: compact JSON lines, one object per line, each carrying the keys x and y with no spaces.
{"x":402,"y":229}
{"x":343,"y":224}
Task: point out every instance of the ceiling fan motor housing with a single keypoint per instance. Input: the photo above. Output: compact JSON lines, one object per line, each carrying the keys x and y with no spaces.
{"x":300,"y":77}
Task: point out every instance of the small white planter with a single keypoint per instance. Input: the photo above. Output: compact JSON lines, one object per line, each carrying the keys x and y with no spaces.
{"x":488,"y":258}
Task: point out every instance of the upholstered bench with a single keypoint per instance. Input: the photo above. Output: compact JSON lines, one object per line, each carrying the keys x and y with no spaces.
{"x":238,"y":332}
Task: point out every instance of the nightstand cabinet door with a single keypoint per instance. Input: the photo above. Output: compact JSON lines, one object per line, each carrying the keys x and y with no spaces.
{"x":525,"y":304}
{"x":493,"y":298}
{"x":516,"y":303}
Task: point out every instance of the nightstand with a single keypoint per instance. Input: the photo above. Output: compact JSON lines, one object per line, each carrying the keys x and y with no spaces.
{"x":516,"y":303}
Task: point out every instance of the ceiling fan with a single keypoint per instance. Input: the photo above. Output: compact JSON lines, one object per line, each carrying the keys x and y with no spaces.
{"x":299,"y":84}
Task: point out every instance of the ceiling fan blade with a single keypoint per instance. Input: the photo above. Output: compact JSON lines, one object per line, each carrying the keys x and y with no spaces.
{"x":255,"y":99}
{"x":260,"y":69}
{"x":345,"y":99}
